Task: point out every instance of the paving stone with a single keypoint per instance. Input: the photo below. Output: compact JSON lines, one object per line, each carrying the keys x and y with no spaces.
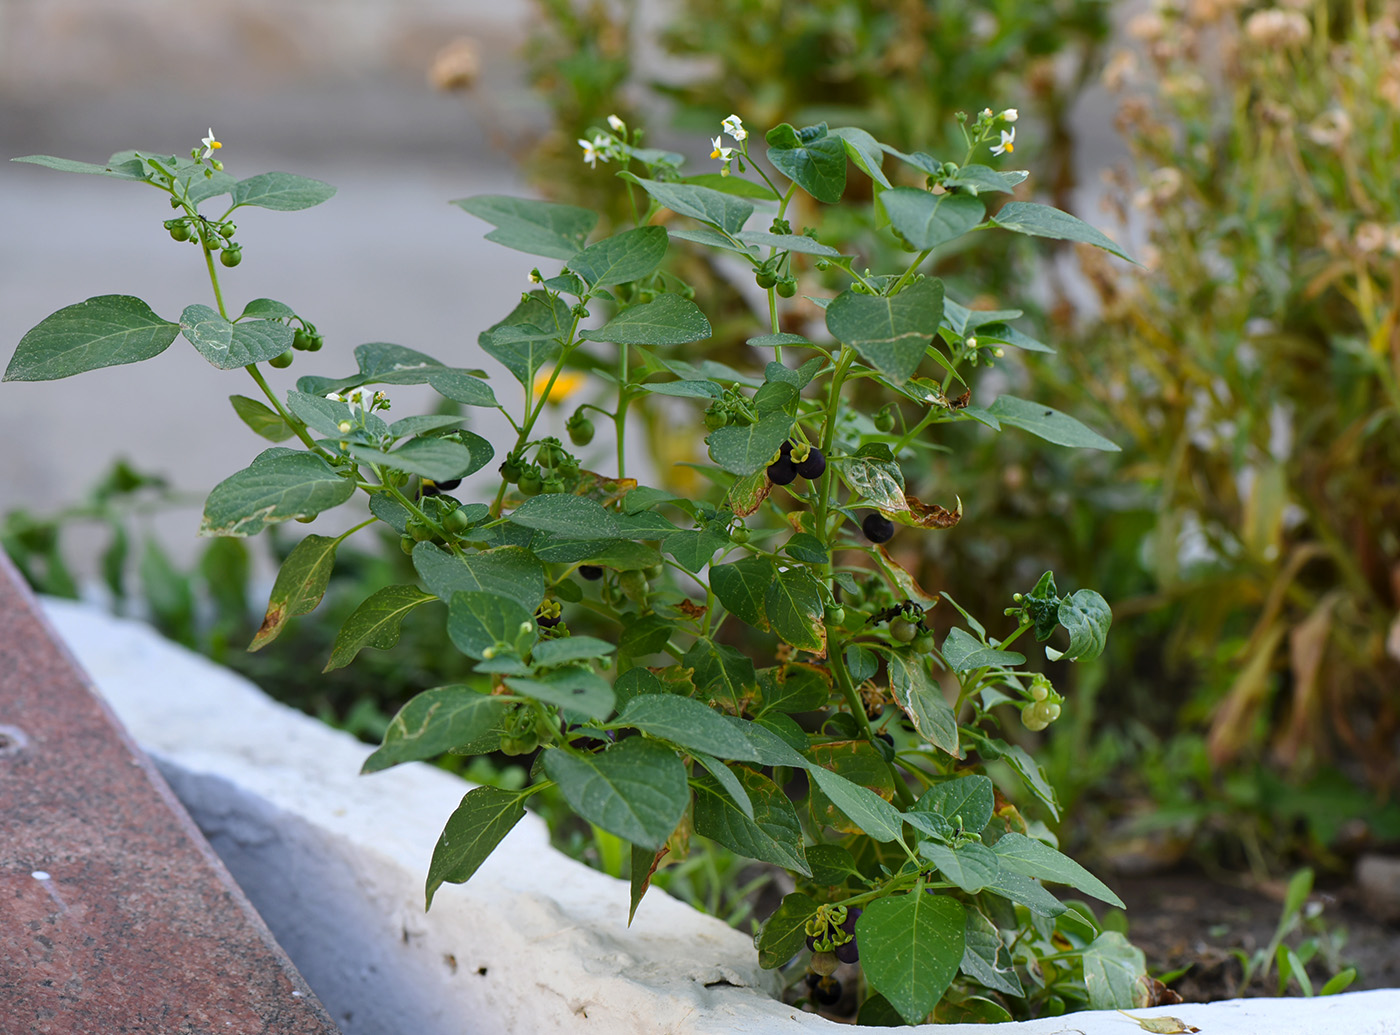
{"x":117,"y":916}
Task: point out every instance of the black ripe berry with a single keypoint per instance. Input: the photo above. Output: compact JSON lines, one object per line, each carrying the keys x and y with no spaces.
{"x":848,"y":952}
{"x":784,"y":472}
{"x":548,"y":621}
{"x":877,"y":528}
{"x":814,"y":466}
{"x":431,"y":488}
{"x":591,"y":572}
{"x":827,"y":992}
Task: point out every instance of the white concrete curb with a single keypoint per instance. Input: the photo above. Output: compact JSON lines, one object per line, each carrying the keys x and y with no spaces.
{"x":534,"y":943}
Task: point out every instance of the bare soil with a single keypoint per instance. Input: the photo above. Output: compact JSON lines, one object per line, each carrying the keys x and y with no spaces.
{"x":1186,"y":920}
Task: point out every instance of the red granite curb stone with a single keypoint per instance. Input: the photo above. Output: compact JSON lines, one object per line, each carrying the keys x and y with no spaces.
{"x":115,"y":914}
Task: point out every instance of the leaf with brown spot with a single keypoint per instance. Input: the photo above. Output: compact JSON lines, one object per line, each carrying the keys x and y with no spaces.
{"x":1162,"y":1025}
{"x":859,"y":762}
{"x":300,"y":585}
{"x":644,"y":864}
{"x":927,"y":515}
{"x":691,"y":609}
{"x":961,"y":401}
{"x":748,"y":493}
{"x":896,"y":573}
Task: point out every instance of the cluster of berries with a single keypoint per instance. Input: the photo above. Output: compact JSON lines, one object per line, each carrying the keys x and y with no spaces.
{"x":783,"y":470}
{"x":555,"y":469}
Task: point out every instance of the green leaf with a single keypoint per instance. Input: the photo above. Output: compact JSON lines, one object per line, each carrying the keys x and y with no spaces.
{"x":689,"y":724}
{"x":530,"y":336}
{"x":1047,"y":423}
{"x":417,"y":424}
{"x":647,"y":635}
{"x":1032,"y":858}
{"x":962,"y":653}
{"x":284,"y":192}
{"x":745,"y":448}
{"x":324,"y":415}
{"x":971,"y":866}
{"x":563,"y":514}
{"x":799,"y":243}
{"x":278,"y":485}
{"x":741,"y":587}
{"x":910,"y":949}
{"x":1112,"y":967}
{"x":806,"y":547}
{"x":1026,"y":217}
{"x":201,"y":183}
{"x":726,"y":779}
{"x":644,"y":863}
{"x":119,"y":166}
{"x":622,"y":258}
{"x":711,"y":239}
{"x":667,"y":320}
{"x":106,"y":331}
{"x":986,"y":959}
{"x":768,"y":341}
{"x":721,"y":672}
{"x":434,"y":722}
{"x":773,"y":834}
{"x":693,"y":547}
{"x":970,"y":797}
{"x":438,"y":459}
{"x":229,"y":345}
{"x":534,"y":227}
{"x":481,"y":822}
{"x":267,"y":309}
{"x":375,"y":623}
{"x":1339,"y":982}
{"x":573,"y":688}
{"x":462,"y":387}
{"x":928,"y":220}
{"x":793,"y":605}
{"x":386,"y":362}
{"x":817,"y":164}
{"x":1022,"y":889}
{"x":299,"y":587}
{"x":890,"y":333}
{"x":1086,"y":616}
{"x":477,"y":622}
{"x":636,"y":789}
{"x":785,"y":932}
{"x":721,"y":210}
{"x":861,"y":662}
{"x":872,"y":813}
{"x":981,"y":179}
{"x":875,"y":483}
{"x":736,"y":185}
{"x":920,"y":698}
{"x":687,"y":389}
{"x":571,"y":648}
{"x":864,"y":150}
{"x":508,"y":571}
{"x":832,"y":864}
{"x":261,"y":419}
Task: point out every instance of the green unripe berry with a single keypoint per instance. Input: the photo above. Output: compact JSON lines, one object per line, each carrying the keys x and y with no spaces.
{"x":419,"y":531}
{"x":301,"y":341}
{"x":406,"y":544}
{"x":885,"y":420}
{"x":824,"y":963}
{"x":765,"y":278}
{"x":739,"y":534}
{"x":316,"y":342}
{"x":834,"y":614}
{"x":1039,"y":691}
{"x":787,"y":287}
{"x":580,"y":430}
{"x":716,"y":418}
{"x":530,"y":482}
{"x":923,"y":643}
{"x":179,"y":231}
{"x":1050,"y":711}
{"x":903,"y":630}
{"x":457,"y":521}
{"x":283,"y":361}
{"x":231,"y":256}
{"x":511,"y":470}
{"x":654,"y":572}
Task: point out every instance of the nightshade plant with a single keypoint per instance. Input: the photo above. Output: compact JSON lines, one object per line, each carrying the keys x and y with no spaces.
{"x":767,"y":676}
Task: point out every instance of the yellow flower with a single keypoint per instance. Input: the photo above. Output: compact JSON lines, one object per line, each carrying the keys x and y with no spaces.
{"x":565,"y":385}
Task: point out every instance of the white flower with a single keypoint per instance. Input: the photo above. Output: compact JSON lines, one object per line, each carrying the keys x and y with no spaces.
{"x":592,"y":151}
{"x":724,"y":154}
{"x":1008,"y":142}
{"x":735,"y":128}
{"x":986,"y":113}
{"x":210,"y":144}
{"x":616,"y":123}
{"x":335,"y":397}
{"x":1010,"y":115}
